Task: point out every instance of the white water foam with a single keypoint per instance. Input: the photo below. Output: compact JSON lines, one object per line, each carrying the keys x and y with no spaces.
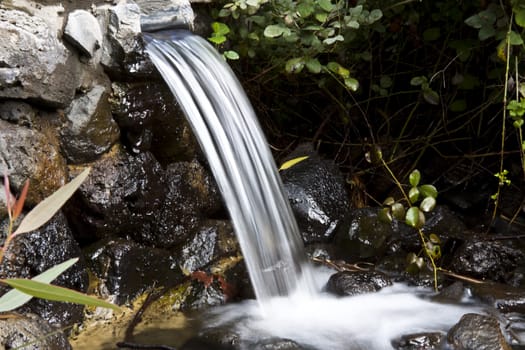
{"x":368,"y":321}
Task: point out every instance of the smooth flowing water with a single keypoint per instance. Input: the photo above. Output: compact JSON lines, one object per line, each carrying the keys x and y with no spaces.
{"x":228,"y":131}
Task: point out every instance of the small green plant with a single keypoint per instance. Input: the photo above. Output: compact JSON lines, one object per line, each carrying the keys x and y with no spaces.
{"x":411,"y":209}
{"x":39,"y":286}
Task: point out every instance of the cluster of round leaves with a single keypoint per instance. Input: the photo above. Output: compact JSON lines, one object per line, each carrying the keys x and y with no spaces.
{"x":297,"y":35}
{"x":422,"y":199}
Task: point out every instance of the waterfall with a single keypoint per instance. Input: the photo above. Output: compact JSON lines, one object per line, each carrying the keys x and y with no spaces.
{"x":229,"y":134}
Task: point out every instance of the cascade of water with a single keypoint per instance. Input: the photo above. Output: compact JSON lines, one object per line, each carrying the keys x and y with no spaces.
{"x":227,"y":129}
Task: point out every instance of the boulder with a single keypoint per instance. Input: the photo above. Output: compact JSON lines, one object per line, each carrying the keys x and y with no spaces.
{"x":83,"y":31}
{"x":317,"y":194}
{"x":477,"y":332}
{"x":349,"y":283}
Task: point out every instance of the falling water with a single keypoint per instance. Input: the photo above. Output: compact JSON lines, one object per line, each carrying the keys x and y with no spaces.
{"x":227,"y":129}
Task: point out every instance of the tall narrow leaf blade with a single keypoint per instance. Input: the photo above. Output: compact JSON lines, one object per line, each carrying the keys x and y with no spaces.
{"x":19,"y":205}
{"x":51,"y":292}
{"x":15,"y":298}
{"x":49,"y":206}
{"x":290,"y":163}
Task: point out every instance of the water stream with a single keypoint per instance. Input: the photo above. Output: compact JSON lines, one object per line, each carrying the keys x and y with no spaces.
{"x":228,"y":131}
{"x":289,"y":303}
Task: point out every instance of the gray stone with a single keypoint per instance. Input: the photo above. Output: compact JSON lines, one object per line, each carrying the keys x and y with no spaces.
{"x":35,"y":64}
{"x":90,"y":129}
{"x":165,"y":14}
{"x":18,"y":112}
{"x":34,"y":156}
{"x":83,"y":31}
{"x":477,"y":332}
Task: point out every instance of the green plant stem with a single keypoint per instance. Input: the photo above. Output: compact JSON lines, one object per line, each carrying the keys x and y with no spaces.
{"x":420,"y":232}
{"x":503,"y":120}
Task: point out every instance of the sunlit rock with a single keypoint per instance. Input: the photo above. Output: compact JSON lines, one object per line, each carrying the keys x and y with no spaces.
{"x":83,"y":31}
{"x":90,"y":129}
{"x":34,"y":63}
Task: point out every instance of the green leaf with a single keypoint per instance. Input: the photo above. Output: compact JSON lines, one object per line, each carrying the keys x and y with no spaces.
{"x":384,"y":215}
{"x":428,"y":191}
{"x":414,"y":178}
{"x":290,"y":163}
{"x":326,"y":5}
{"x":305,"y":10}
{"x":294,"y":65}
{"x":15,"y":298}
{"x":55,"y":293}
{"x":375,"y":15}
{"x":413,"y":194}
{"x":49,"y":206}
{"x":352,"y":84}
{"x":321,"y":17}
{"x":389,"y":201}
{"x":431,"y":96}
{"x":313,"y":65}
{"x":515,"y":38}
{"x":519,"y":17}
{"x":474,"y":21}
{"x":428,"y":204}
{"x":217,"y":39}
{"x":417,"y":81}
{"x":486,"y":32}
{"x":330,"y":41}
{"x":412,"y":217}
{"x":231,"y":55}
{"x":220,"y":29}
{"x":398,"y":211}
{"x":356,"y":11}
{"x":385,"y":82}
{"x":273,"y":31}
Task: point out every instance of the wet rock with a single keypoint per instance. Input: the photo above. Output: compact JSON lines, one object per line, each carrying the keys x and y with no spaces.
{"x":348,"y":283}
{"x":278,"y":344}
{"x":90,"y":129}
{"x":83,"y":31}
{"x":501,"y":296}
{"x":367,"y":236}
{"x":317,"y":194}
{"x":32,"y":253}
{"x":477,"y":332}
{"x":34,"y":156}
{"x":205,"y":291}
{"x":486,"y":259}
{"x":213,"y":241}
{"x":123,"y":196}
{"x":444,"y":223}
{"x":419,"y":341}
{"x":150,"y":119}
{"x":128,"y":269}
{"x":199,"y":343}
{"x":123,"y":49}
{"x":21,"y":331}
{"x":454,"y":293}
{"x":35,"y":64}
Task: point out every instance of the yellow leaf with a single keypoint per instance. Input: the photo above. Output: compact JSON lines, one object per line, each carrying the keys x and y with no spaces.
{"x":290,"y":163}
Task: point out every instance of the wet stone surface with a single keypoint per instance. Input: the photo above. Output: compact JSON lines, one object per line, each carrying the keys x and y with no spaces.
{"x":127,"y":269}
{"x":317,"y":194}
{"x":420,"y":341}
{"x":32,"y":253}
{"x":477,"y":332}
{"x":348,"y":283}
